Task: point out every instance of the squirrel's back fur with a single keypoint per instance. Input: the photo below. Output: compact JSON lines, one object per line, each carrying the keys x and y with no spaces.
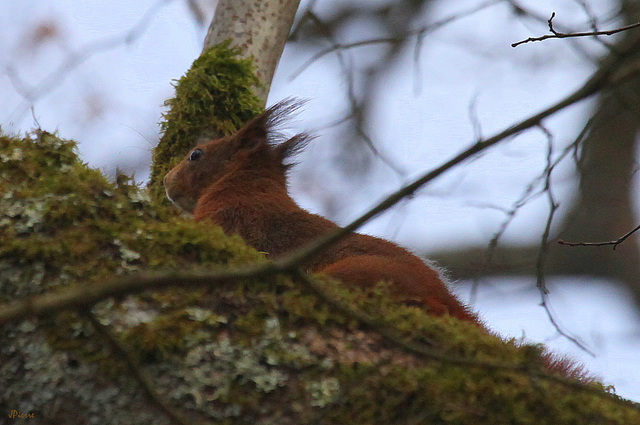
{"x":239,"y":183}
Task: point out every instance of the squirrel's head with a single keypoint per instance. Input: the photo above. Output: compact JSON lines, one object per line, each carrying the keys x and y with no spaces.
{"x":256,"y":147}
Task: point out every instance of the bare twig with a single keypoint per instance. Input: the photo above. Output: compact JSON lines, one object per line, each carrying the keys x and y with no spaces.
{"x":605,"y":75}
{"x":553,"y":206}
{"x":419,"y":33}
{"x":522,"y":11}
{"x":544,"y":250}
{"x":556,"y":34}
{"x":615,"y":243}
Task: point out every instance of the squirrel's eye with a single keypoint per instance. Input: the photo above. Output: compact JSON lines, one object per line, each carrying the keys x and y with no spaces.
{"x":195,"y":155}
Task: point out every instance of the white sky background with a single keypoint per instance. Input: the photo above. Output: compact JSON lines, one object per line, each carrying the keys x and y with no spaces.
{"x":111,"y":103}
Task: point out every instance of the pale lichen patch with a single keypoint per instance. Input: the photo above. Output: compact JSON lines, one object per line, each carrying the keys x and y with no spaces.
{"x":14,"y":154}
{"x":324,"y":392}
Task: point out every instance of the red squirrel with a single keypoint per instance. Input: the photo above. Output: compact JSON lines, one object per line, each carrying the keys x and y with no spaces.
{"x":240,"y":183}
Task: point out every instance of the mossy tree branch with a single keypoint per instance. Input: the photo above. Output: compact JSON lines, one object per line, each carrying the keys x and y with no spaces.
{"x":193,"y":320}
{"x":230,"y":352}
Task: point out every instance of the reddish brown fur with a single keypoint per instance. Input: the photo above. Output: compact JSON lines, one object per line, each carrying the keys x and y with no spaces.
{"x":239,"y":183}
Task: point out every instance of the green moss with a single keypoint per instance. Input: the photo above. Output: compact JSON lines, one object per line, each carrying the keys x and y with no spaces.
{"x":75,"y":227}
{"x":213,"y":99}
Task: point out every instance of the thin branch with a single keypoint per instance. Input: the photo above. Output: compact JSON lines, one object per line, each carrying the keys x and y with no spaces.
{"x":605,"y":75}
{"x":544,"y":250}
{"x":553,"y":206}
{"x":356,"y":114}
{"x":419,"y":33}
{"x":614,"y":243}
{"x":140,"y":377}
{"x":74,"y":298}
{"x":557,"y":34}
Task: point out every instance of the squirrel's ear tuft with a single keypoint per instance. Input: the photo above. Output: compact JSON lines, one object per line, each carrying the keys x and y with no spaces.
{"x":290,"y":148}
{"x":263,"y":128}
{"x":280,"y":112}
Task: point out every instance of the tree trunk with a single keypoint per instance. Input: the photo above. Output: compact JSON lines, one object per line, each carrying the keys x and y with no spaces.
{"x":259,"y":28}
{"x":228,"y":84}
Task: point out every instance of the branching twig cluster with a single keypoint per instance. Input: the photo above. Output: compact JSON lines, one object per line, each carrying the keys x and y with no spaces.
{"x":358,"y":112}
{"x":557,"y":34}
{"x":544,"y":248}
{"x":419,"y":33}
{"x":530,"y":193}
{"x":614,"y":243}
